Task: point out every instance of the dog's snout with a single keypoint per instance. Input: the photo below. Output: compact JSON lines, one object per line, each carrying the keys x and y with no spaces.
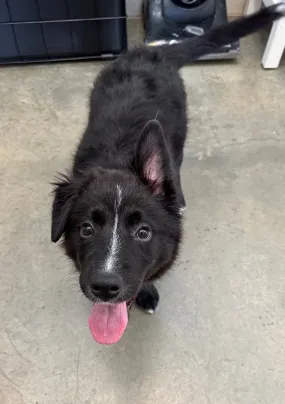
{"x":106,"y":286}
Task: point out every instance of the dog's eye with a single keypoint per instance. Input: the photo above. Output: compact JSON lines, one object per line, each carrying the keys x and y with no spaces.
{"x":143,"y":234}
{"x":86,"y":230}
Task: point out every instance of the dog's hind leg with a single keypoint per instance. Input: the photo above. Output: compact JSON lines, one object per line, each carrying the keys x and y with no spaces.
{"x":148,"y":298}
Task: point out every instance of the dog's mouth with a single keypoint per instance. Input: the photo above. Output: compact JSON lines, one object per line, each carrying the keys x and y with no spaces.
{"x":107,"y":321}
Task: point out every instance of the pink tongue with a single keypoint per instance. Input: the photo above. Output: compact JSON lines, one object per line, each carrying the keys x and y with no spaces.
{"x":108,"y":322}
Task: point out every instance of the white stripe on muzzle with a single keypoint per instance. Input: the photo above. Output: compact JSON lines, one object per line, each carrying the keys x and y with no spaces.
{"x":115,"y":241}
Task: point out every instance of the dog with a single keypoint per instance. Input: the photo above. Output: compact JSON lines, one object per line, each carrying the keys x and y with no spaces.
{"x":119,"y":209}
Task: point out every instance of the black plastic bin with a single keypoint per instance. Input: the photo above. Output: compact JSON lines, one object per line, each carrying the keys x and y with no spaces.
{"x":50,"y":30}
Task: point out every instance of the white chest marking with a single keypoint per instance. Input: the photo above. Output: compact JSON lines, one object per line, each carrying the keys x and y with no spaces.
{"x":115,"y":241}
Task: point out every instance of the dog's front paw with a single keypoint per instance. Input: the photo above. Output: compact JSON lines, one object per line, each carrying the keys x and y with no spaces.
{"x":148,"y":299}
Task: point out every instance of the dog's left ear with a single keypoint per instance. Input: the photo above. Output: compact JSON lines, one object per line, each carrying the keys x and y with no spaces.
{"x":152,"y":159}
{"x":64,"y":197}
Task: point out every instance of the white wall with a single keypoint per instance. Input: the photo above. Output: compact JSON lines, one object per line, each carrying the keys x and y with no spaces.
{"x":133,"y":8}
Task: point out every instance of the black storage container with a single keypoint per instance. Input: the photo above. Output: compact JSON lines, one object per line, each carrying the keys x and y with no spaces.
{"x":49,"y":30}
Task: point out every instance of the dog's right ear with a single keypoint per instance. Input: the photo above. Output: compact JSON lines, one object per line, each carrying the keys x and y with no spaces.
{"x":152,"y":162}
{"x":64,"y":197}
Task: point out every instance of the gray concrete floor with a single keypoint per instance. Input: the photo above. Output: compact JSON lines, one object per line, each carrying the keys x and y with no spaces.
{"x":219,"y":335}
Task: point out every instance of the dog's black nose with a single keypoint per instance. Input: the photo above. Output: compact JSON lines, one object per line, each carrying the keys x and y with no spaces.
{"x":106,"y":286}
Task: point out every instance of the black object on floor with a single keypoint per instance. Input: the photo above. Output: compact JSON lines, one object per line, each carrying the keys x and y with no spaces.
{"x":51,"y":30}
{"x":176,"y":20}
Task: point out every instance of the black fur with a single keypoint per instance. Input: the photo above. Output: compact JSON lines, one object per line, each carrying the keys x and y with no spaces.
{"x":148,"y":299}
{"x":128,"y":162}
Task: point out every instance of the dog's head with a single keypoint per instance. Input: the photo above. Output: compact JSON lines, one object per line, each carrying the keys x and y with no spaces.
{"x":120,"y":227}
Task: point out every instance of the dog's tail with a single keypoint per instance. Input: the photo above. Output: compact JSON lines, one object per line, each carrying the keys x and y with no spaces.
{"x":187,"y":51}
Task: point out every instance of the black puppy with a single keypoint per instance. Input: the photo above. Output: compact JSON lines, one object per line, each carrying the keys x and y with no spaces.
{"x":120,"y":207}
